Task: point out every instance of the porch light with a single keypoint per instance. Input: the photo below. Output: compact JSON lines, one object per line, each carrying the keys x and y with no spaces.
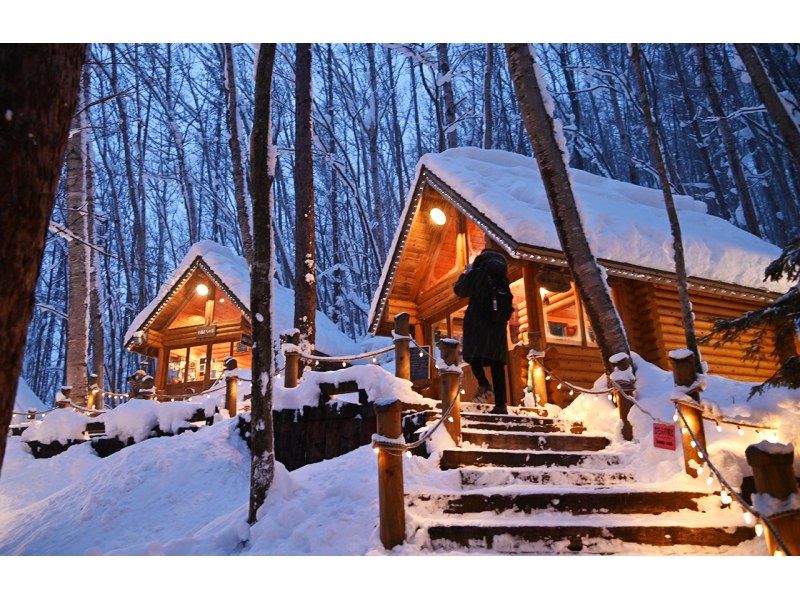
{"x":201,"y":290}
{"x":438,"y":217}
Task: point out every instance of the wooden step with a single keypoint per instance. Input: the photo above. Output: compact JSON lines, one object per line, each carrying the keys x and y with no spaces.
{"x":532,"y":538}
{"x":533,"y":441}
{"x":482,"y":476}
{"x":577,"y":503}
{"x":524,"y":427}
{"x":456,"y":458}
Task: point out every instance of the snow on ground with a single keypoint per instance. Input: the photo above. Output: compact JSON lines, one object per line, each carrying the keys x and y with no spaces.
{"x":187,"y":494}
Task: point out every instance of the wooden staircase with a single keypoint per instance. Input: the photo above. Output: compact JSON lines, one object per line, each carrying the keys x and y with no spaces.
{"x":533,"y":484}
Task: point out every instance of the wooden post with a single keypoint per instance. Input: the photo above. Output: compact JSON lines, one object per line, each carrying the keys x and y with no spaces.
{"x":623,"y":404}
{"x":448,"y":387}
{"x":402,"y":355}
{"x":391,"y":502}
{"x":291,"y":356}
{"x":684,"y":373}
{"x":231,"y":393}
{"x":773,"y":473}
{"x":64,"y":401}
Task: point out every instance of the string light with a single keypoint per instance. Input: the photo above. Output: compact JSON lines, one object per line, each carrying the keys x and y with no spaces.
{"x":421,"y":354}
{"x":559,"y":386}
{"x":374,"y":360}
{"x":778,"y":552}
{"x":699,"y":454}
{"x":450,"y":419}
{"x":344,"y":364}
{"x":759,"y":529}
{"x":408,"y":454}
{"x":463,"y":392}
{"x":377,"y":450}
{"x":699,"y":469}
{"x":719,"y":427}
{"x":675,"y":417}
{"x":692,"y":444}
{"x":710,"y":479}
{"x":547,"y":377}
{"x":725,"y":497}
{"x":748,"y":517}
{"x":741,"y":432}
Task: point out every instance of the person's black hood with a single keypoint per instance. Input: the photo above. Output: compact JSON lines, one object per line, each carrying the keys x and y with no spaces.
{"x":493,"y":262}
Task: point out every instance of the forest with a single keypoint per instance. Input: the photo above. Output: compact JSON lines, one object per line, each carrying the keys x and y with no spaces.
{"x":164,"y":130}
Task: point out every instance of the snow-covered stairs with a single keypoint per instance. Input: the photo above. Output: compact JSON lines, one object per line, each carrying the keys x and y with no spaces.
{"x":533,"y":484}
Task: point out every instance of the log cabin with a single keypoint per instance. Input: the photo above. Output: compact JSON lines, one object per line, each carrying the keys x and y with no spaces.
{"x":466,"y":199}
{"x":201,"y":315}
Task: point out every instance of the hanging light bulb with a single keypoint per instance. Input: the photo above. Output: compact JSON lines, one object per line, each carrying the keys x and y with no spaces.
{"x":699,"y":454}
{"x":450,"y":419}
{"x":559,"y":386}
{"x":710,"y":479}
{"x":719,"y":427}
{"x":463,"y":392}
{"x":421,"y":354}
{"x":778,"y":552}
{"x":408,"y":454}
{"x":377,"y":450}
{"x":692,"y":444}
{"x":547,"y":377}
{"x":725,"y":497}
{"x":344,"y":364}
{"x":699,"y":470}
{"x":675,"y":417}
{"x":748,"y":517}
{"x":571,"y":392}
{"x":741,"y":432}
{"x":759,"y":529}
{"x":374,"y":360}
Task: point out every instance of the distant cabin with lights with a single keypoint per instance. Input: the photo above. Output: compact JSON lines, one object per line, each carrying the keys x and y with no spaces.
{"x":201,"y":315}
{"x":466,"y":199}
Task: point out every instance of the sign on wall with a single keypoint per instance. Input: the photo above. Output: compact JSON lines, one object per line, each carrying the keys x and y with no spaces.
{"x":664,"y":436}
{"x":420,"y":366}
{"x":207,"y":331}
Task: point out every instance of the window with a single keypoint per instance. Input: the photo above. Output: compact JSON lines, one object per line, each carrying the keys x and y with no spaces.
{"x":219,"y":351}
{"x":176,"y":366}
{"x":565,"y":319}
{"x":197,"y":363}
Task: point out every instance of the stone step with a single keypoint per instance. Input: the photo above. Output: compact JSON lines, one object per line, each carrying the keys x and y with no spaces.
{"x":576,"y":538}
{"x":504,"y":476}
{"x":578,"y":503}
{"x":533,"y":441}
{"x":456,"y":458}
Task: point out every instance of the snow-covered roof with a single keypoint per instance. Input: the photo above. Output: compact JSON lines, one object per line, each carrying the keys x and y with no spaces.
{"x":231,"y":270}
{"x":624,"y":223}
{"x":26,"y":398}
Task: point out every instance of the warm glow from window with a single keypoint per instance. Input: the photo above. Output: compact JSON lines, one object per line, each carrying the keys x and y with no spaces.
{"x":201,"y":289}
{"x":438,"y":216}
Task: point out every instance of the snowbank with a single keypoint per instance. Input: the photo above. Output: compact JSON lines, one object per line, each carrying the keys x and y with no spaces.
{"x":625,"y":222}
{"x":232,"y":270}
{"x":60,"y":425}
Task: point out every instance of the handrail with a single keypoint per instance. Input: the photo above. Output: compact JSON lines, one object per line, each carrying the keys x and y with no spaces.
{"x":344,"y":358}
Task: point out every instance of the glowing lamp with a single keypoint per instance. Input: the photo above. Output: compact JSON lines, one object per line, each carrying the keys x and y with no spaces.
{"x":201,"y":290}
{"x":438,"y":217}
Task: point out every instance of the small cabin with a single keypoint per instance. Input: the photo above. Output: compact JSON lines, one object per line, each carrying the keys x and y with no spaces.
{"x":466,"y":199}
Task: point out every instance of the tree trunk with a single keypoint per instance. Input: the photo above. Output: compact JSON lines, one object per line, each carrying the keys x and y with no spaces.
{"x":488,"y":121}
{"x":687,"y":317}
{"x":237,"y":160}
{"x":262,"y":169}
{"x":305,"y":285}
{"x":38,"y":94}
{"x":769,"y":96}
{"x":78,"y":256}
{"x":372,"y":137}
{"x":95,"y":282}
{"x":729,"y":142}
{"x":590,"y":281}
{"x":445,"y":80}
{"x":415,"y":109}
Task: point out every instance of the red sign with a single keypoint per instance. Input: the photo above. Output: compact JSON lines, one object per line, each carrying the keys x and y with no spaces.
{"x":664,"y":436}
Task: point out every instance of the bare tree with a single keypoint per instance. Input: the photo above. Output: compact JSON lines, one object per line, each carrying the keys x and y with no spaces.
{"x":590,"y":281}
{"x":305,"y":269}
{"x":237,"y":160}
{"x":488,"y":121}
{"x":38,"y":94}
{"x":262,"y":173}
{"x":687,"y":317}
{"x":445,"y":80}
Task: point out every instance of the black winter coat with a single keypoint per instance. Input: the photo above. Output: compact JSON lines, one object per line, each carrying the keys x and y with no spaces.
{"x":483,"y":338}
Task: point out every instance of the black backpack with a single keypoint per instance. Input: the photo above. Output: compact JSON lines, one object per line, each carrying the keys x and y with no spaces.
{"x":498,"y":305}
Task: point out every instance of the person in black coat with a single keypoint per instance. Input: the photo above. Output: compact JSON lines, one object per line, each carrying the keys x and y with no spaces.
{"x":485,"y":282}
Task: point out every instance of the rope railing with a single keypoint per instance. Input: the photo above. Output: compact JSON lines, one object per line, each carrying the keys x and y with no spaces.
{"x":400,"y":448}
{"x":754,"y":514}
{"x":345,"y":358}
{"x":551,"y":375}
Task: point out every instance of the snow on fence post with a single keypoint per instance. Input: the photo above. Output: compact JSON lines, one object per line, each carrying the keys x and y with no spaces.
{"x":231,"y":386}
{"x":777,"y":495}
{"x":623,"y":376}
{"x":684,"y":373}
{"x":291,"y":355}
{"x":449,"y":374}
{"x":391,"y":502}
{"x":402,"y":355}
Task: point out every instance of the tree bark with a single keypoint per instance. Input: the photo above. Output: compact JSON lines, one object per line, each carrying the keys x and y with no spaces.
{"x":305,"y":286}
{"x":38,"y":94}
{"x":589,"y":279}
{"x":237,"y":160}
{"x":372,"y":138}
{"x":769,"y":96}
{"x":729,"y":142}
{"x":447,"y":94}
{"x":488,"y":120}
{"x":78,"y":256}
{"x":262,"y":172}
{"x":687,"y":317}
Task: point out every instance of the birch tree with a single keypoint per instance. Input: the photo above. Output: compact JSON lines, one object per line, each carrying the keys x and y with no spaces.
{"x":262,"y":173}
{"x":536,"y":109}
